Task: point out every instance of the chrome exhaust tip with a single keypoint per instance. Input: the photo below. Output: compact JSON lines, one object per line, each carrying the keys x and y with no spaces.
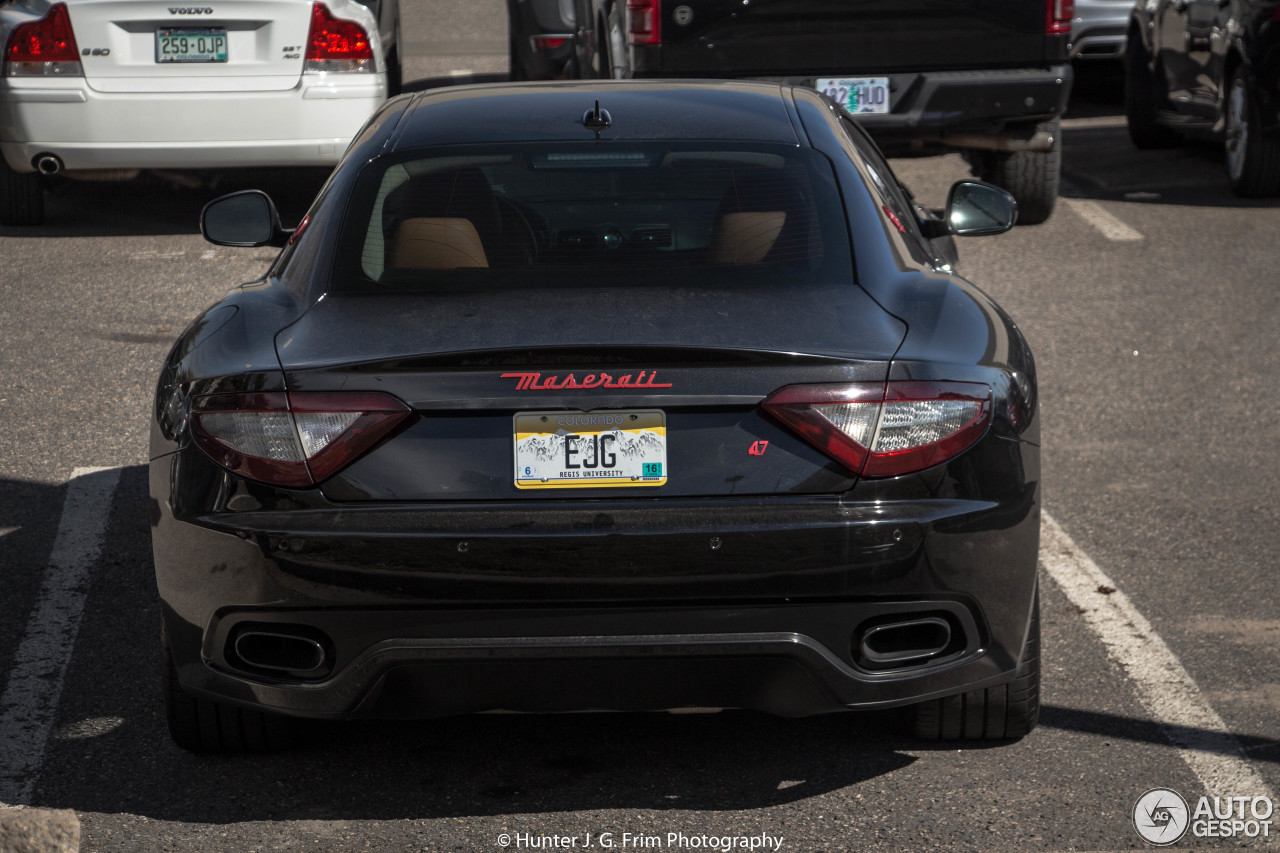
{"x":281,"y":653}
{"x":47,"y":164}
{"x":907,"y":643}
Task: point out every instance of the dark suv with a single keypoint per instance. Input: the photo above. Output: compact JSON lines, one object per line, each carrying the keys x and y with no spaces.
{"x":988,"y":79}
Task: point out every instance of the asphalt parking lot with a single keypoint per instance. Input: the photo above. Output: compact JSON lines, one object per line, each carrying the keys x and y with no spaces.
{"x":1151,"y":301}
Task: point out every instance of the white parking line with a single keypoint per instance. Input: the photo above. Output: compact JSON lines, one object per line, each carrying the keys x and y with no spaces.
{"x":1111,"y":227}
{"x":1159,"y":679}
{"x":30,"y":701}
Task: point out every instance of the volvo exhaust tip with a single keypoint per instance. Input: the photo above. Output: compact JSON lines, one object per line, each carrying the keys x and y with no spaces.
{"x":47,"y":164}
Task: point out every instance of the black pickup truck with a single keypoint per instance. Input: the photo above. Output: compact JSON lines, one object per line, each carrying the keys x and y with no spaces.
{"x":987,"y":77}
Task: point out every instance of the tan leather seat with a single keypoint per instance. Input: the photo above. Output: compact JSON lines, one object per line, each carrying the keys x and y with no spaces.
{"x":766,"y":216}
{"x":745,"y":238}
{"x":436,"y":243}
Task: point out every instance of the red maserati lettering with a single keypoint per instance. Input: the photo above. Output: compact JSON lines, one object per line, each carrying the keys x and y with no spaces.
{"x":535,"y":382}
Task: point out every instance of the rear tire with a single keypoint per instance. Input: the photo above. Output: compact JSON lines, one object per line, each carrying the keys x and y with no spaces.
{"x":1253,"y":160}
{"x":395,"y":73}
{"x":518,"y":72}
{"x":1006,"y":712}
{"x":1141,"y":100}
{"x":211,"y":728}
{"x":21,"y":197}
{"x":1031,"y":176}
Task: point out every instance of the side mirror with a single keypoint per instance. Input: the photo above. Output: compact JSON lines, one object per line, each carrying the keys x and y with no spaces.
{"x":976,"y":209}
{"x":247,"y":219}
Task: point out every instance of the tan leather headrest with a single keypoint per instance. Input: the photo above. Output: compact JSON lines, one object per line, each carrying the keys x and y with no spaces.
{"x":436,"y":244}
{"x":745,"y":238}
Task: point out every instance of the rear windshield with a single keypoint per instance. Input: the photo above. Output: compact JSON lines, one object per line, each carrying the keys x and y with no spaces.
{"x":615,"y":214}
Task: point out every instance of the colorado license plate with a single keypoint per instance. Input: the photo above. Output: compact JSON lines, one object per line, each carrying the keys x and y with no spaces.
{"x":191,"y":44}
{"x":858,"y":94}
{"x":562,"y":450}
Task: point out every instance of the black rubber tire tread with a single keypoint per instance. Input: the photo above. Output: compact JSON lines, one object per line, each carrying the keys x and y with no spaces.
{"x":1141,"y":101}
{"x":1006,"y":712}
{"x":209,"y":727}
{"x":21,"y":197}
{"x":1261,"y":175}
{"x":1031,"y":176}
{"x":395,"y":73}
{"x":515,"y":68}
{"x":603,"y":51}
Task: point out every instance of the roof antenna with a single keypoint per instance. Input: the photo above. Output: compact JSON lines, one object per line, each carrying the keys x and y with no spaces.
{"x":596,"y":119}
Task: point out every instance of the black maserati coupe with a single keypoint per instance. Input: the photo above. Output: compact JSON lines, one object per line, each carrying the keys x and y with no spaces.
{"x":600,"y":395}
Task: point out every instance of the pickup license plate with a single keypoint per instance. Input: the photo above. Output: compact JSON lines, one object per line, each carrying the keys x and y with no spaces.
{"x":191,"y":44}
{"x":579,"y":450}
{"x":858,"y":95}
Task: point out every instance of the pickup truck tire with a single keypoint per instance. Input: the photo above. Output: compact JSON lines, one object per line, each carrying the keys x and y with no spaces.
{"x":518,"y":71}
{"x":1006,"y":712}
{"x":21,"y":197}
{"x":395,"y":72}
{"x":1141,"y":99}
{"x":1031,"y":176}
{"x":1253,"y":160}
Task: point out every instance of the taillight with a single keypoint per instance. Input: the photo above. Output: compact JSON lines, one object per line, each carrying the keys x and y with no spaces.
{"x":1057,"y":17}
{"x":335,"y":45}
{"x":885,"y":429}
{"x":549,"y":42}
{"x":43,"y":48}
{"x":644,"y":21}
{"x":298,"y":438}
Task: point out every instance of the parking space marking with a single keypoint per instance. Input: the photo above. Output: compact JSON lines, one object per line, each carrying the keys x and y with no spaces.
{"x":1162,"y":684}
{"x":1111,"y":227}
{"x":30,"y":701}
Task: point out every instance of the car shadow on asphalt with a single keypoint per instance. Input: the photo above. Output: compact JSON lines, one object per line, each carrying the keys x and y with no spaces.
{"x":163,"y":203}
{"x":1101,"y":163}
{"x":109,"y":751}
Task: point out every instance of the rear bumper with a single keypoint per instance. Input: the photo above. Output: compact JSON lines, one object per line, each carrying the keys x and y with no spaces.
{"x":755,"y":602}
{"x":930,"y":104}
{"x":1100,"y":28}
{"x":414,"y":663}
{"x":308,"y":125}
{"x":1101,"y":42}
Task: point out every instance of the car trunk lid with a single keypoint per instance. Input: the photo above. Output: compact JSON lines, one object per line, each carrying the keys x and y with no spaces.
{"x":227,"y":45}
{"x":481,"y":372}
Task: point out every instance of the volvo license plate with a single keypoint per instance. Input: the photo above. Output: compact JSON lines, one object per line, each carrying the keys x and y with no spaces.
{"x":578,"y":450}
{"x":191,"y":44}
{"x":858,"y":95}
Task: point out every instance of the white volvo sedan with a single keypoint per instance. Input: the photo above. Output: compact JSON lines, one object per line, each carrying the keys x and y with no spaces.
{"x":100,"y":88}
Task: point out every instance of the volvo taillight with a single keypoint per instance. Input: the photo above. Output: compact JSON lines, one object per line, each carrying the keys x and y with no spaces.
{"x":43,"y":48}
{"x":335,"y":45}
{"x":296,"y":439}
{"x":1057,"y":16}
{"x":644,"y":22}
{"x":885,"y":429}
